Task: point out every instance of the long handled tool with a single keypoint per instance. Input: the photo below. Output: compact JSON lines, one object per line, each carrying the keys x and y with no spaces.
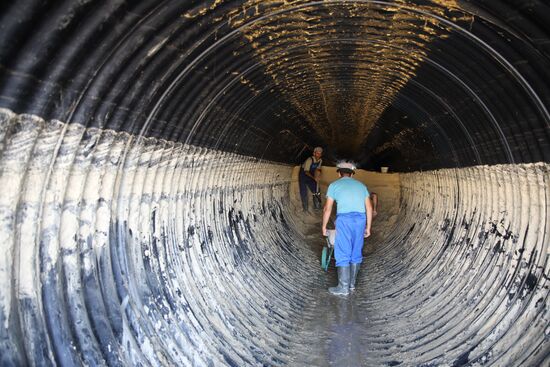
{"x":317,"y":204}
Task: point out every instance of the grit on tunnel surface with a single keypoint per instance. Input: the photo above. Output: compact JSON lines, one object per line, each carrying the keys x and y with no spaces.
{"x":149,"y":212}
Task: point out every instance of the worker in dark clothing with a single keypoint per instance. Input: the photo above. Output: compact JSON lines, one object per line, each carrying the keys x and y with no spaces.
{"x":353,"y":223}
{"x":308,"y":179}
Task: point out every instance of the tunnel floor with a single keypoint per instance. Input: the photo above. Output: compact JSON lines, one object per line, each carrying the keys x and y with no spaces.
{"x":337,"y":330}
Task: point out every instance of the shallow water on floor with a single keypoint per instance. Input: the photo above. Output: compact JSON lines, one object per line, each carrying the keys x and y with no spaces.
{"x":335,"y":328}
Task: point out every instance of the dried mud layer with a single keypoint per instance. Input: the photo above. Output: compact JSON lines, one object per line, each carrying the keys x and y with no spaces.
{"x":122,"y":250}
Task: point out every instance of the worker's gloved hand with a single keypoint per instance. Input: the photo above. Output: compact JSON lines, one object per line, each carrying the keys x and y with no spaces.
{"x":331,"y":234}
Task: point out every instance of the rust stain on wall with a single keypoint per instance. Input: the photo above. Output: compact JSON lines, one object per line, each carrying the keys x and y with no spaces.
{"x":341,"y":64}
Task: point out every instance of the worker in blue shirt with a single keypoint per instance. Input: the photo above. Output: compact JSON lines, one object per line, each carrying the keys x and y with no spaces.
{"x":353,"y":224}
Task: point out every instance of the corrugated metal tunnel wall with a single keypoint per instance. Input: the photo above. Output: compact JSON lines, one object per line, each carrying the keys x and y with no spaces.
{"x":146,"y":158}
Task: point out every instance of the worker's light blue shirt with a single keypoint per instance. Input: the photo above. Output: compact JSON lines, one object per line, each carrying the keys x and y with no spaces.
{"x":349,"y":195}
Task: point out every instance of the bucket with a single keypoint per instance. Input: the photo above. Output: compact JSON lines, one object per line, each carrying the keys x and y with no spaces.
{"x":384,"y":169}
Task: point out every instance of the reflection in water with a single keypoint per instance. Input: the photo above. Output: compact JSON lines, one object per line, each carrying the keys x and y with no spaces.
{"x":343,"y":345}
{"x":335,"y":329}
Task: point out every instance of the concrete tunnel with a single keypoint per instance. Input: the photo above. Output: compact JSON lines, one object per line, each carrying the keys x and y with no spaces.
{"x":149,"y":216}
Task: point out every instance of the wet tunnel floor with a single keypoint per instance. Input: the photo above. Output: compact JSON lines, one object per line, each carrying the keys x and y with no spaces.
{"x":335,"y":329}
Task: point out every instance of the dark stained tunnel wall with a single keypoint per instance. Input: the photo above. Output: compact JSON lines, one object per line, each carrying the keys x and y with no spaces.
{"x":146,"y":153}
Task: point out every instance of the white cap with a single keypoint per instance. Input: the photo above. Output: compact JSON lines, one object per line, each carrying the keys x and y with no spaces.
{"x":318,"y":149}
{"x":345,"y":165}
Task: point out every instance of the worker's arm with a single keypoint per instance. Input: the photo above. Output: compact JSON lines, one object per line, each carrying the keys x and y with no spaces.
{"x":307,"y":167}
{"x":317,"y":175}
{"x":309,"y":174}
{"x":368,"y":207}
{"x":374,"y":198}
{"x":327,"y":210}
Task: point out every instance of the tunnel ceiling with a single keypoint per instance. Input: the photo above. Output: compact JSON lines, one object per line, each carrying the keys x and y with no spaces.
{"x":408,"y":84}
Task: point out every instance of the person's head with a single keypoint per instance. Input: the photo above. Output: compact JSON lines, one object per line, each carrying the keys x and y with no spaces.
{"x":317,"y":152}
{"x":346,"y":168}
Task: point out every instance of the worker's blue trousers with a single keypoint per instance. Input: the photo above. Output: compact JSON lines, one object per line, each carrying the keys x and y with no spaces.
{"x":348,"y":244}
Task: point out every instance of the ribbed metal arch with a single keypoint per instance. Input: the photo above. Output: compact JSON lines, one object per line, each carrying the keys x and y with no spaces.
{"x":149,"y":212}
